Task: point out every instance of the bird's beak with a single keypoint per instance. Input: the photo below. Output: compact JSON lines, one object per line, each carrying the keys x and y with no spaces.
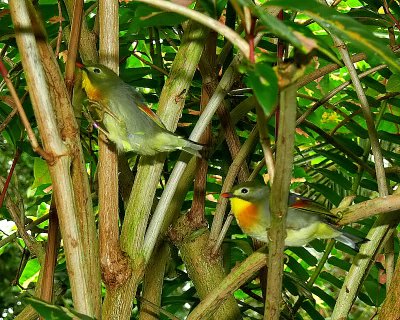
{"x":80,"y":65}
{"x":227,"y":195}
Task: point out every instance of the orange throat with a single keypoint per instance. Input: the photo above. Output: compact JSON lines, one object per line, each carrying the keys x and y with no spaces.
{"x":246,"y":213}
{"x":92,"y":92}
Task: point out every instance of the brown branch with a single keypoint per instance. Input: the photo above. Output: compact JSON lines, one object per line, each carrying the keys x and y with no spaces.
{"x":280,"y":193}
{"x":60,"y":29}
{"x":73,"y":45}
{"x":114,"y":264}
{"x":7,"y":182}
{"x":53,"y":243}
{"x":327,"y":69}
{"x":367,"y":209}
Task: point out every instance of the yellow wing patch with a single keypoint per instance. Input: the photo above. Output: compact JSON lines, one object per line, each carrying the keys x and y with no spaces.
{"x":245,"y":212}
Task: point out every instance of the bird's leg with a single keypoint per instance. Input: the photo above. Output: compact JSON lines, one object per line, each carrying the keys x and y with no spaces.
{"x":93,"y":122}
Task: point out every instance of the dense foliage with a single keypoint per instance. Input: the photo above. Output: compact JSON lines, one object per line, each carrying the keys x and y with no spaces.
{"x":334,"y":156}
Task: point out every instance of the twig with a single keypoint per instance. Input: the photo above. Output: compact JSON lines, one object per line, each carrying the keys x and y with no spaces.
{"x":7,"y":182}
{"x":152,"y":65}
{"x":14,"y":111}
{"x":59,"y":36}
{"x":234,"y":168}
{"x":73,"y":45}
{"x":373,"y":135}
{"x":335,"y":91}
{"x":30,"y":226}
{"x":209,"y":22}
{"x":23,"y":117}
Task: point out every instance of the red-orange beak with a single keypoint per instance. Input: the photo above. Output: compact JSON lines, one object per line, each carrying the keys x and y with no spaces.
{"x":80,"y":65}
{"x":227,"y":195}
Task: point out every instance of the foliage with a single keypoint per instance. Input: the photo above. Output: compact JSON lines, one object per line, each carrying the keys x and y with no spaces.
{"x":332,"y":155}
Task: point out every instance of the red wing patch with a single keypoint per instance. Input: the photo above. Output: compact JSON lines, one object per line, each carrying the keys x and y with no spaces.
{"x":301,"y":203}
{"x":150,"y":113}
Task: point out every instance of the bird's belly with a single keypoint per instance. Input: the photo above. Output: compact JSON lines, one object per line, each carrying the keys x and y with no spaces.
{"x":300,"y":237}
{"x":294,"y":237}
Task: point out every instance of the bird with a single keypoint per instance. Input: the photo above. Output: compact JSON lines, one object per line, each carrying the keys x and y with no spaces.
{"x":125,"y":118}
{"x":306,"y":220}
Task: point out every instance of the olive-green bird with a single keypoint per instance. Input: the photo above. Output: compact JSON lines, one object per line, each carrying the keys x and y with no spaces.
{"x":127,"y":121}
{"x":305,"y":220}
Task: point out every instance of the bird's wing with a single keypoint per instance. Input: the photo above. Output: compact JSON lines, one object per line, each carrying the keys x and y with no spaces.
{"x":151,"y":114}
{"x":307,"y":205}
{"x":139,"y":101}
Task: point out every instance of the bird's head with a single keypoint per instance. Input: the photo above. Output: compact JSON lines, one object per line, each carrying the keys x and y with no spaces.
{"x":96,"y":78}
{"x":250,"y":191}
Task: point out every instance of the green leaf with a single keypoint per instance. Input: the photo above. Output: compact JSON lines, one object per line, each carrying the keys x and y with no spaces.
{"x":327,"y":192}
{"x":278,"y":27}
{"x":332,"y":279}
{"x":147,"y":16}
{"x":391,"y":117}
{"x":296,"y":267}
{"x":336,"y":177}
{"x":330,"y":301}
{"x":312,"y":312}
{"x":340,"y":263}
{"x":393,"y":83}
{"x":264,"y":83}
{"x":41,"y":173}
{"x":376,"y":291}
{"x":369,"y":184}
{"x":30,"y":273}
{"x":391,"y":137}
{"x":343,"y":26}
{"x":339,"y":159}
{"x":53,"y":312}
{"x":304,"y":254}
{"x":357,"y":129}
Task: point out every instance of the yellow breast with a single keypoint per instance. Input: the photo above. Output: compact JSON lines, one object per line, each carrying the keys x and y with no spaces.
{"x":245,"y":213}
{"x":92,"y":92}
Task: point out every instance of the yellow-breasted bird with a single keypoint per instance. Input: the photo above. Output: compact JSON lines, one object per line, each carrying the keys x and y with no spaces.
{"x":305,"y":221}
{"x":127,"y":120}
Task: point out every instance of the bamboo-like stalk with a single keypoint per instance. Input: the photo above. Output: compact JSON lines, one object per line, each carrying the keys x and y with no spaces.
{"x":153,"y":284}
{"x":53,"y":144}
{"x":205,"y":272}
{"x":279,"y":196}
{"x":158,"y":216}
{"x":69,"y":130}
{"x":118,"y":302}
{"x":238,"y":276}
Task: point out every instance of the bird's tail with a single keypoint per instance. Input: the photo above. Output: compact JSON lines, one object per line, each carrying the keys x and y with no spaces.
{"x":193,"y":148}
{"x":351,"y":240}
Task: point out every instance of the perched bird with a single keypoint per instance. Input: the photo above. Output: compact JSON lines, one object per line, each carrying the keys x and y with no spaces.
{"x":305,"y":220}
{"x":126,"y":119}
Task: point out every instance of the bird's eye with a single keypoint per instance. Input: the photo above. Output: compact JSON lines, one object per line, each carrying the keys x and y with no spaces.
{"x":244,"y":190}
{"x":96,"y":70}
